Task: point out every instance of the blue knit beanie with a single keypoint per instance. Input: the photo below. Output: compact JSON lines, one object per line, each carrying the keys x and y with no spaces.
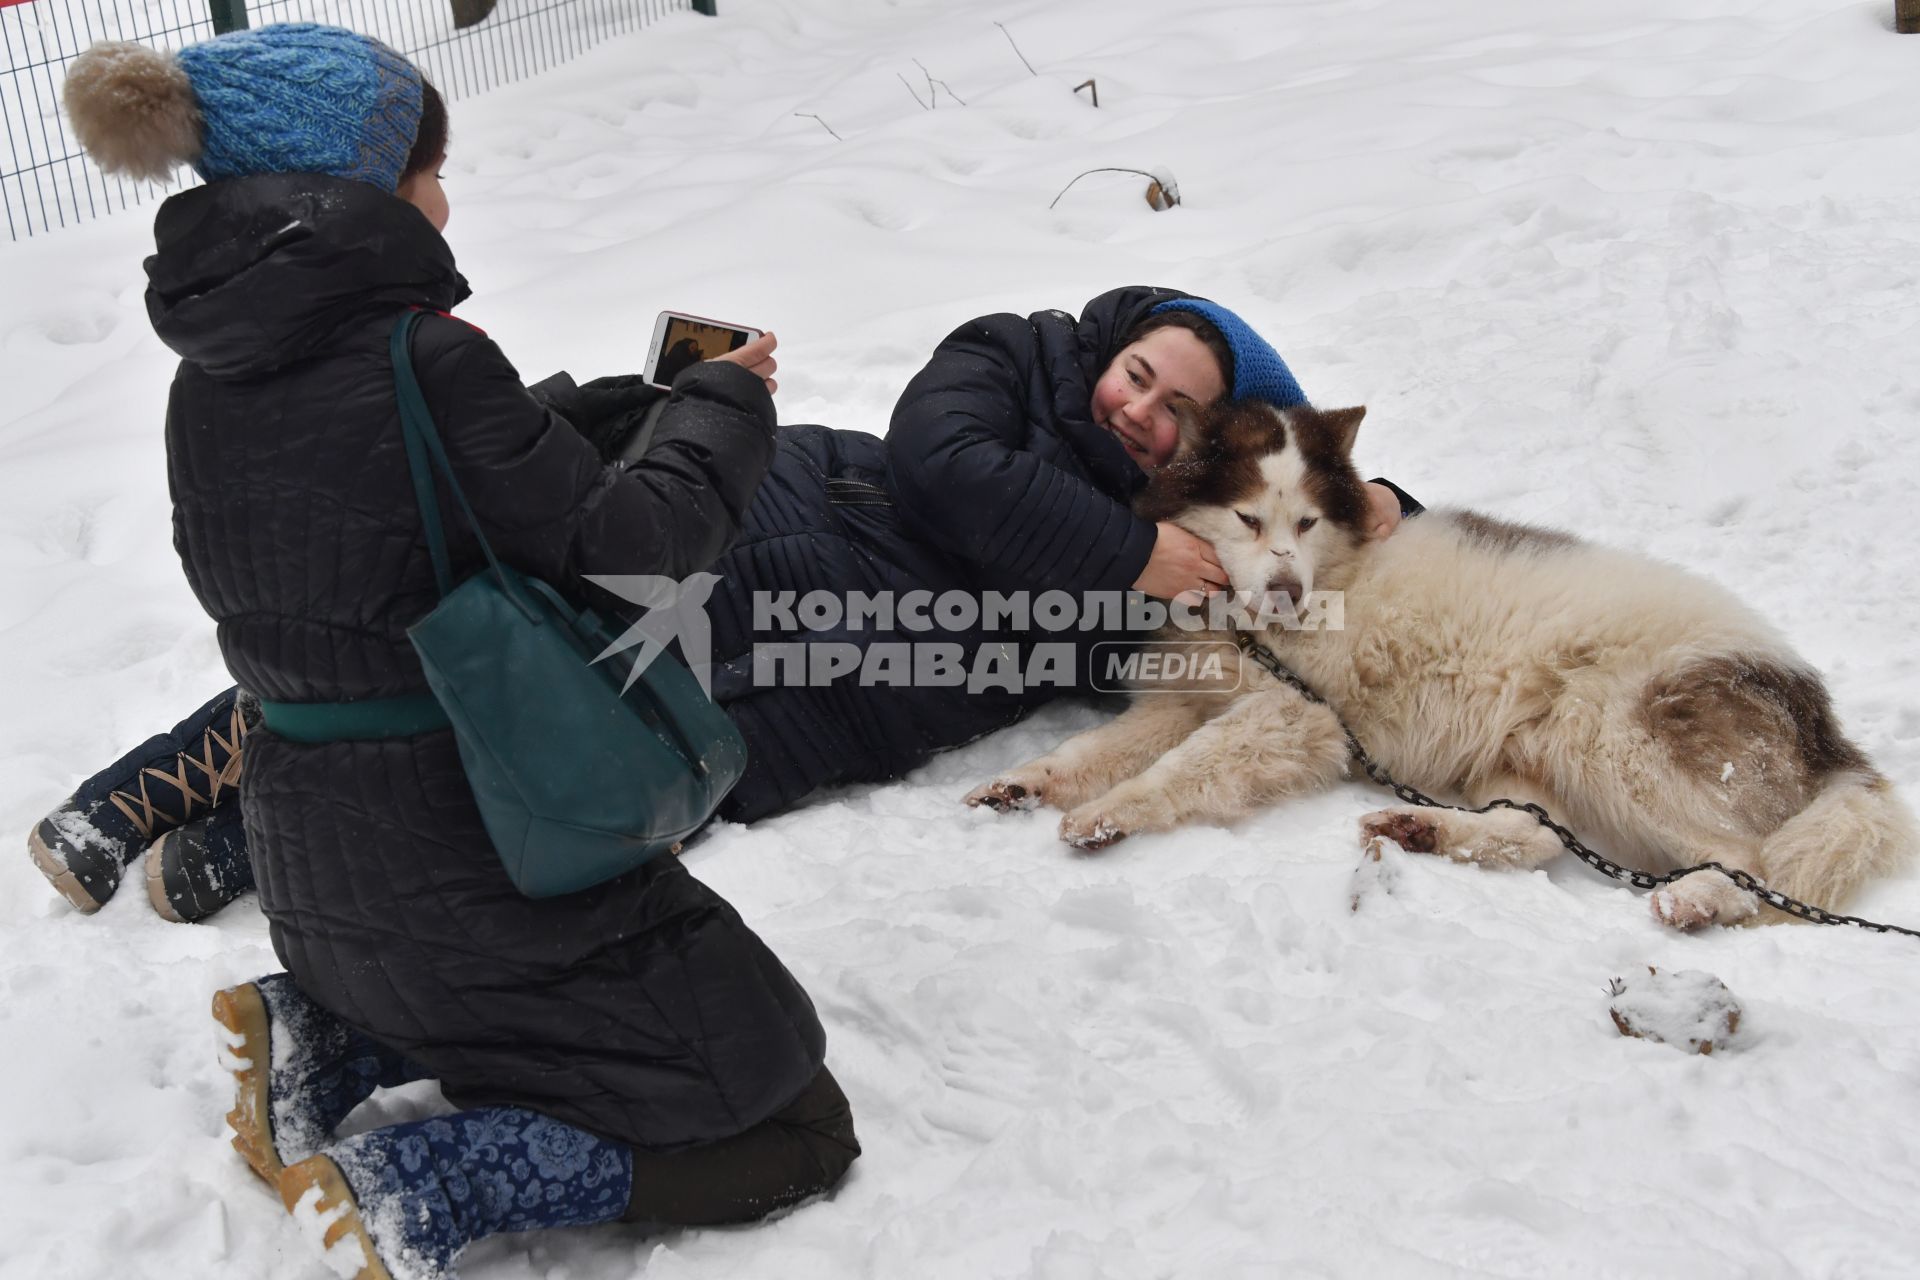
{"x":298,"y":97}
{"x":1258,"y":371}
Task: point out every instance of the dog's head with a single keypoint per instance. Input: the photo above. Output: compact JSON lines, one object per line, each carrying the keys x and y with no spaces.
{"x":1274,"y":491}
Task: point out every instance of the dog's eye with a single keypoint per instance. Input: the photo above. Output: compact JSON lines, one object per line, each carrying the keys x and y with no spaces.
{"x":1306,"y":524}
{"x":1252,"y":522}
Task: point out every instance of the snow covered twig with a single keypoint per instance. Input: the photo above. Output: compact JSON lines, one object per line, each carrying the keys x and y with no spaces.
{"x":1162,"y":191}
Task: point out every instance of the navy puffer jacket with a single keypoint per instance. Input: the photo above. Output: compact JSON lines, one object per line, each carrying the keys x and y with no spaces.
{"x":992,"y":476}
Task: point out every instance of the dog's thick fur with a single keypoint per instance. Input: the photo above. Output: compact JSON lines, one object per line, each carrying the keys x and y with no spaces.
{"x":1645,"y":708}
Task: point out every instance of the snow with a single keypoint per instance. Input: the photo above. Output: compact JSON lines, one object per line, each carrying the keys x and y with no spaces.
{"x":1641,"y":269}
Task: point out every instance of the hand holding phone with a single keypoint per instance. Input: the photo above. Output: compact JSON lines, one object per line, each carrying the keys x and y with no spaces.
{"x":757,"y":357}
{"x":681,"y":340}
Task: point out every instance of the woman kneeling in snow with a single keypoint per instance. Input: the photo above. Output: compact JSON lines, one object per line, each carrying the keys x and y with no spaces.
{"x":634,"y":1051}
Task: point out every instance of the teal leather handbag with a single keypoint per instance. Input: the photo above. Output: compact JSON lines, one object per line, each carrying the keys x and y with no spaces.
{"x":577,"y":782}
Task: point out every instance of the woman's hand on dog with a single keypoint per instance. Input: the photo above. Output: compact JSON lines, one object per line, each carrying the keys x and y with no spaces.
{"x":757,"y":357}
{"x":1383,"y":510}
{"x":1181,"y":565}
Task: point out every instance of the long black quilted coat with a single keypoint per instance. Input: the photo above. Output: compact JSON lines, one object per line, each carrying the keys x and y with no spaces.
{"x":993,"y":476}
{"x":643,"y":1009}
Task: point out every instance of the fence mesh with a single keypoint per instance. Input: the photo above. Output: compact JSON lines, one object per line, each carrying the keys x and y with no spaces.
{"x":46,"y":183}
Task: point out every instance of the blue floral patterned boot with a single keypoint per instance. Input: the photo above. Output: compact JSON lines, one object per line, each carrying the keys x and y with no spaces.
{"x":400,"y":1203}
{"x":298,"y":1071}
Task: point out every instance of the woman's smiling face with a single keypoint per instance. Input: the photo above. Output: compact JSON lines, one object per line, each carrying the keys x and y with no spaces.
{"x":1136,"y":396}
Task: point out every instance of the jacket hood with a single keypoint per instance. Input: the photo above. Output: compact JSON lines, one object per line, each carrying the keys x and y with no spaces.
{"x":1106,"y":321}
{"x":253,"y":274}
{"x":1089,"y":345}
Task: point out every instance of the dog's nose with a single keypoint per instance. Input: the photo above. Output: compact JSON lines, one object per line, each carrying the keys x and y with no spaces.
{"x":1285,"y":586}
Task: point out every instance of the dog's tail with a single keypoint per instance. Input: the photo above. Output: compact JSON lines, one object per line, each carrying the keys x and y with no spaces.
{"x":1855,"y":829}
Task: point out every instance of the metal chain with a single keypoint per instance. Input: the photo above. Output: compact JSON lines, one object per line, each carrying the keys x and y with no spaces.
{"x":1606,"y":866}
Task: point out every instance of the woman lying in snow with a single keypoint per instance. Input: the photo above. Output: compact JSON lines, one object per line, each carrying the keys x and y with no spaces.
{"x":996,"y":412}
{"x":840,"y":511}
{"x":1009,"y":466}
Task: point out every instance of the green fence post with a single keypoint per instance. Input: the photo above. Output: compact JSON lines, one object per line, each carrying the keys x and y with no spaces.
{"x":706,"y":7}
{"x":227,"y":15}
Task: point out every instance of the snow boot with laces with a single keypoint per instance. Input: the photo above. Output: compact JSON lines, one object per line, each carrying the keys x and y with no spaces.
{"x":83,"y":846}
{"x":194,"y":870}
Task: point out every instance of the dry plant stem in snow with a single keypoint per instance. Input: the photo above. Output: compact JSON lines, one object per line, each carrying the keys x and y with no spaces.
{"x":808,"y":115}
{"x":931,"y":82}
{"x":1029,"y":66}
{"x":1162,"y":192}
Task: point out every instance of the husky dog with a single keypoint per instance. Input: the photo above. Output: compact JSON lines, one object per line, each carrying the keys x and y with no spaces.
{"x":1640,"y":705}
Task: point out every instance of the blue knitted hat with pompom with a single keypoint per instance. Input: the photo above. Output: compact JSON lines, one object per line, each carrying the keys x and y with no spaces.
{"x":298,"y":97}
{"x":1258,"y":371}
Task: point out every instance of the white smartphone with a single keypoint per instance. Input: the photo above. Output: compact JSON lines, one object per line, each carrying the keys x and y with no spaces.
{"x":680,"y":340}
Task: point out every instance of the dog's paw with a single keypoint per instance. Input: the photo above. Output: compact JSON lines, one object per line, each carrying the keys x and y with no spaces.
{"x":1090,"y":829}
{"x":1701,"y":899}
{"x":1414,"y":830}
{"x":1004,"y":795}
{"x":1500,"y":839}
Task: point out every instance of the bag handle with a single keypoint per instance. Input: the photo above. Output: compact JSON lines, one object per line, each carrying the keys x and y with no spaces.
{"x":424,"y":453}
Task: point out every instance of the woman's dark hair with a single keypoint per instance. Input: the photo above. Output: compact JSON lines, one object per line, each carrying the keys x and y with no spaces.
{"x":430,"y":143}
{"x":1200,"y":327}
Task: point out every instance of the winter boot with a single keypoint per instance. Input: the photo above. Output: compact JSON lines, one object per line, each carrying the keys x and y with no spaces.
{"x":195,"y":870}
{"x":83,"y":846}
{"x":402,"y":1202}
{"x":298,"y":1071}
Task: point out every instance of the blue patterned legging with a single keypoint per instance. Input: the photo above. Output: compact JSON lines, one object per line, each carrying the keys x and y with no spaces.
{"x":459,"y":1178}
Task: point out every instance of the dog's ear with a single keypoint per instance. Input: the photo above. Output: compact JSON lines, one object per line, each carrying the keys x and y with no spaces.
{"x":1341,"y":426}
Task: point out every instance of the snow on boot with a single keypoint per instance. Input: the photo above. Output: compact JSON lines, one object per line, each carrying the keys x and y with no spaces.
{"x":83,"y":846}
{"x":81,"y":850}
{"x":298,"y":1071}
{"x":324,"y":1210}
{"x":412,"y":1196}
{"x":194,"y":870}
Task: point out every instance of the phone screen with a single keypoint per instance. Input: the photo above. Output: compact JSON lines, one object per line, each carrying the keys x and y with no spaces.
{"x":687,"y":342}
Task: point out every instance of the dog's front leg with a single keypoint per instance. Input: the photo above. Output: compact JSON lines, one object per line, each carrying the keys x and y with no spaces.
{"x":1265,"y":746}
{"x":1504,"y":838}
{"x":1090,"y":763}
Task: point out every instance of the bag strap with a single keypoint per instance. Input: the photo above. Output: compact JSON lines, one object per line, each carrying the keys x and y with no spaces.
{"x":424,"y":454}
{"x":413,"y":405}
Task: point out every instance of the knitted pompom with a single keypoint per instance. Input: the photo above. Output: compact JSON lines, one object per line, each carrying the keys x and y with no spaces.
{"x":133,"y":109}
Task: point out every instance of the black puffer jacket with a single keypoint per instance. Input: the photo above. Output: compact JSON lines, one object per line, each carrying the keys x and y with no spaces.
{"x":992,"y":476}
{"x":643,"y":1009}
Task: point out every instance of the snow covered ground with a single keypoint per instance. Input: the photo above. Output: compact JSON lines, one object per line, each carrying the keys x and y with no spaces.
{"x":1645,"y":269}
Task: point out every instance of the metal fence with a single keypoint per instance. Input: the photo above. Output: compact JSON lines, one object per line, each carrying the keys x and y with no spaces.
{"x":46,"y":183}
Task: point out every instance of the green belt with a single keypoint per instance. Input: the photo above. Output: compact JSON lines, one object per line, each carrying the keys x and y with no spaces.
{"x":369,"y":718}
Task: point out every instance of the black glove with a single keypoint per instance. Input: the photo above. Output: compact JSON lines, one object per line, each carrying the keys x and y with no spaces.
{"x":607,"y":411}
